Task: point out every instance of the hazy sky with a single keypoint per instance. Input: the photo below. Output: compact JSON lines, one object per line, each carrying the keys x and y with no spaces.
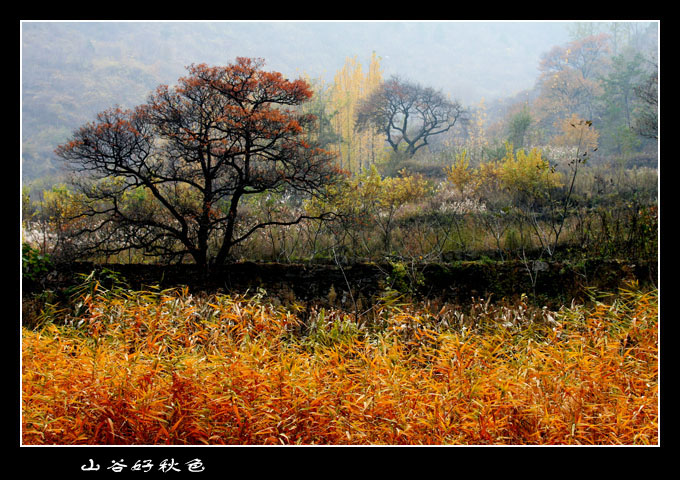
{"x":72,"y":70}
{"x":468,"y":60}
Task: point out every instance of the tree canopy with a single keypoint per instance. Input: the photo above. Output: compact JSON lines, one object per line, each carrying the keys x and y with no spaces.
{"x":168,"y":176}
{"x":409,"y":113}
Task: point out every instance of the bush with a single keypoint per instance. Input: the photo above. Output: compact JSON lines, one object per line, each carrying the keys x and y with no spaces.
{"x":34,"y":265}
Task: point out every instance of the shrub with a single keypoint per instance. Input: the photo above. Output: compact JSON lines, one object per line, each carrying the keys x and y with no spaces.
{"x":34,"y":264}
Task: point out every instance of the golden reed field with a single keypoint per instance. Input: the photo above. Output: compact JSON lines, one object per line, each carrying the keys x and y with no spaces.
{"x":171,"y":368}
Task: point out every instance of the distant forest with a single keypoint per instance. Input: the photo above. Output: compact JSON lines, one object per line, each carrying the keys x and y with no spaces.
{"x":73,"y":70}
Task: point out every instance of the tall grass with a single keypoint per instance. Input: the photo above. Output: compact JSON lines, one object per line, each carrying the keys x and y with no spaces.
{"x":168,"y":367}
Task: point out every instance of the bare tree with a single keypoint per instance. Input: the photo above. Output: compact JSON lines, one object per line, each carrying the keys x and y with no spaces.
{"x":408,"y":113}
{"x":168,"y":176}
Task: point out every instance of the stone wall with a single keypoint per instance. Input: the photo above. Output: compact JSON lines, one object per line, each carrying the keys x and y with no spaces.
{"x":456,"y":281}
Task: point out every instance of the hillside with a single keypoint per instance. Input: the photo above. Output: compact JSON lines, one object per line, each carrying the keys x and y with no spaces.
{"x":72,"y":70}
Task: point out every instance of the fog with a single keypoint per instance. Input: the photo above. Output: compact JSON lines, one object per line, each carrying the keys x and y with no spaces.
{"x":468,"y":60}
{"x":72,"y":70}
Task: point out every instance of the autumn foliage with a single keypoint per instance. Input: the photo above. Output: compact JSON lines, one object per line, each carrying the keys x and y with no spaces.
{"x":168,"y":367}
{"x":191,"y":155}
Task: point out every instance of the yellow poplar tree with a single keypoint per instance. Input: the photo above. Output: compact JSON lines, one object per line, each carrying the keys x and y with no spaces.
{"x":357,"y":150}
{"x":477,"y":136}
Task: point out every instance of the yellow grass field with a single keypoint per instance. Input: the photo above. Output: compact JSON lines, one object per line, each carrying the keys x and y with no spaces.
{"x":171,"y":368}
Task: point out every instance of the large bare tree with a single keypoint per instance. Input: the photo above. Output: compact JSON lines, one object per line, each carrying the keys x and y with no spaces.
{"x":409,"y":113}
{"x":169,"y":176}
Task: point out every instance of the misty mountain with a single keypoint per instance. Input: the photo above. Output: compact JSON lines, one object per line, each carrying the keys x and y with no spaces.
{"x":72,"y":70}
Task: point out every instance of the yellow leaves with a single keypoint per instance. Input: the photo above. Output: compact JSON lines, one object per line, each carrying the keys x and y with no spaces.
{"x":518,"y":171}
{"x":357,"y":150}
{"x":230,"y":372}
{"x":369,"y":197}
{"x":527,"y":172}
{"x":388,"y":193}
{"x":459,"y":172}
{"x":578,"y":135}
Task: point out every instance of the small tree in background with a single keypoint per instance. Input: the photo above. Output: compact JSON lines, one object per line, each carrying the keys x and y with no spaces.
{"x":408,"y":114}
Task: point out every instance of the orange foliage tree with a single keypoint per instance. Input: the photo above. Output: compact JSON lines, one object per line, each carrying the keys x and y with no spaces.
{"x":194,"y":152}
{"x":569,"y":81}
